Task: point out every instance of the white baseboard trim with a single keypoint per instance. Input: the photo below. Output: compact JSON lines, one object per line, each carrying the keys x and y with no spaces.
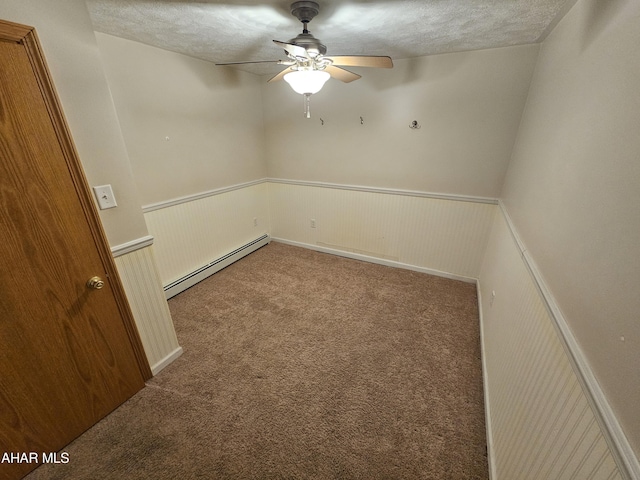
{"x":209,"y":269}
{"x":155,"y":369}
{"x":379,"y":261}
{"x":618,"y":443}
{"x":132,"y":246}
{"x":485,"y":383}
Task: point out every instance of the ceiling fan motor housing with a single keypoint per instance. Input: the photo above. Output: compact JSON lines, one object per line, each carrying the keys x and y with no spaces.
{"x":310,"y":43}
{"x":305,"y":10}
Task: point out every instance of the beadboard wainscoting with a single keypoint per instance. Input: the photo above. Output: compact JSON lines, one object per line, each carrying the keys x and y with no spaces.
{"x":546,"y":417}
{"x":139,"y":275}
{"x":543,"y":418}
{"x":439,"y":234}
{"x":192,"y":232}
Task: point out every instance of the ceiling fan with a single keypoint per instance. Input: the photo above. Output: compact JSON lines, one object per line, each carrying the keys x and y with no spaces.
{"x":308,"y":68}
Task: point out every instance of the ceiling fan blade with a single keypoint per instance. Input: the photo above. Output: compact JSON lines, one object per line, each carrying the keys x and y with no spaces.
{"x":277,"y":62}
{"x":280,"y":75}
{"x":292,"y":49}
{"x":361,"y":61}
{"x":341,"y":74}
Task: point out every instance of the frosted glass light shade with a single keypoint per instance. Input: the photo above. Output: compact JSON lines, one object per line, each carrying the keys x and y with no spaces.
{"x":307,"y":81}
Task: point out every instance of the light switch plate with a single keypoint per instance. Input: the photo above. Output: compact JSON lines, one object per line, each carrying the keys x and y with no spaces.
{"x":104,"y":195}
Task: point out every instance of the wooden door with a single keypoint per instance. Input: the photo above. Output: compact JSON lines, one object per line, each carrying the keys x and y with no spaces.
{"x":69,"y":354}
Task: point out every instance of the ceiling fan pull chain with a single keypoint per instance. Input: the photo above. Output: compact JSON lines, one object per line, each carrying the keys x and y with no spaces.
{"x":307,"y":105}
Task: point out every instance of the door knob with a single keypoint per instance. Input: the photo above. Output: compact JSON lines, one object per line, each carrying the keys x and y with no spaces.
{"x":95,"y":282}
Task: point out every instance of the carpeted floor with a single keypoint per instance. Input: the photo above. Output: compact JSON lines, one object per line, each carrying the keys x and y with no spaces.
{"x":303,"y":365}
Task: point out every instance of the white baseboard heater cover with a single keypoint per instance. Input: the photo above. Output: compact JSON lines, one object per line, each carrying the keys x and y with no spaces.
{"x":201,"y":273}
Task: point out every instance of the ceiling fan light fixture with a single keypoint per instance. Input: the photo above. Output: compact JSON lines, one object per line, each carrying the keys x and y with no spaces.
{"x":307,"y":82}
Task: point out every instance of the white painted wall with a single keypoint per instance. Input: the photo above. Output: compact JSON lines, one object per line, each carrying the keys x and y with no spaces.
{"x":211,"y":115}
{"x":573,"y":189}
{"x":71,"y":52}
{"x":468,"y":104}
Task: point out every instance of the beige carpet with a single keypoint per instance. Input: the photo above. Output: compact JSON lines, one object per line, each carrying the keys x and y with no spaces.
{"x":304,"y":365}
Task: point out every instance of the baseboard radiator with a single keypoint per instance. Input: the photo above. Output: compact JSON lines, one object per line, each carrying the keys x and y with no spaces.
{"x":209,"y":269}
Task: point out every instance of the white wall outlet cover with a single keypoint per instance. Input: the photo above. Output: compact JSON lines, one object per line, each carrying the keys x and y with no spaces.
{"x":105,"y":197}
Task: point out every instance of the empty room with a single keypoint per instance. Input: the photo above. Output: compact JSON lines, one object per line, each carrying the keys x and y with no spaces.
{"x":424,"y":263}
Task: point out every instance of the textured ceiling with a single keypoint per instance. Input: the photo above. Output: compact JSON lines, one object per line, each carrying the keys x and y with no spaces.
{"x":242,"y":30}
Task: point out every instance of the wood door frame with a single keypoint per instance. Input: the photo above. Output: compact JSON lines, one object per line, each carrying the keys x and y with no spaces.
{"x":26,"y":36}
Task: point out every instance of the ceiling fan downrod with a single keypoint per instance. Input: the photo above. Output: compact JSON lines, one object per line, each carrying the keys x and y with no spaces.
{"x":305,"y":11}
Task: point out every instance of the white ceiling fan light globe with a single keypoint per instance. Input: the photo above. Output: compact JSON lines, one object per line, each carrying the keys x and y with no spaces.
{"x":307,"y":81}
